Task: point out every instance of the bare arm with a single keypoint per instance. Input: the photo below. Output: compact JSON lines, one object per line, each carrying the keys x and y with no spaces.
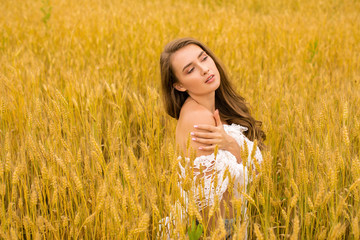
{"x":235,"y":149}
{"x":195,"y":117}
{"x":216,"y":135}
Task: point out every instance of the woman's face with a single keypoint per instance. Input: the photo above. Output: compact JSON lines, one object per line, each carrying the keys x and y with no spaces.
{"x":196,"y":71}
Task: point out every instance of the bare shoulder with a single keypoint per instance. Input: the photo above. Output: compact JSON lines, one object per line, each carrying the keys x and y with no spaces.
{"x":191,"y":114}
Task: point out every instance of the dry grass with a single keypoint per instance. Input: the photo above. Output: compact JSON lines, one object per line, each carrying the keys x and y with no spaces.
{"x":87,"y":150}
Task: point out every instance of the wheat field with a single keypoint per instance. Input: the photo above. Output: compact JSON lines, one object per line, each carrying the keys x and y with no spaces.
{"x":88,"y":152}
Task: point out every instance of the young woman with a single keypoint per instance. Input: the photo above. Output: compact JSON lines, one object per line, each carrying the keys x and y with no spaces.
{"x":197,"y":92}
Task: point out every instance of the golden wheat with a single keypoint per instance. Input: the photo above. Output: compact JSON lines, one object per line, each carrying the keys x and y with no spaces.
{"x":88,"y":152}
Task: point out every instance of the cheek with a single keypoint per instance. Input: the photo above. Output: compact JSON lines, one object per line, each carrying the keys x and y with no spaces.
{"x":193,"y":81}
{"x":213,"y":65}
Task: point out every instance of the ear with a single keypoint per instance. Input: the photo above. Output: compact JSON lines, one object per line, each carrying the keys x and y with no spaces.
{"x":179,"y":87}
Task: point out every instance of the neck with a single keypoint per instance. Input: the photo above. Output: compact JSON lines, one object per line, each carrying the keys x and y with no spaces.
{"x":207,"y":101}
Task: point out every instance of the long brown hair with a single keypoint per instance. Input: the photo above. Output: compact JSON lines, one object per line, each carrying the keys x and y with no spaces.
{"x":232,"y":107}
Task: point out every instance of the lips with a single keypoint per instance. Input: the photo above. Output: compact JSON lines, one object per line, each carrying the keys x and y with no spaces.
{"x":210,"y":78}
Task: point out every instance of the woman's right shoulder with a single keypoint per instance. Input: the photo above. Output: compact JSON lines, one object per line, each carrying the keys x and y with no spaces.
{"x":193,"y":113}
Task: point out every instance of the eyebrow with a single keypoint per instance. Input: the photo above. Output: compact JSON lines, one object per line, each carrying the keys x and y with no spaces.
{"x":191,"y":62}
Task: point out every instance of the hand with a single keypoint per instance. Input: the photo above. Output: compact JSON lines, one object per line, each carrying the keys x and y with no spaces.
{"x":214,"y":136}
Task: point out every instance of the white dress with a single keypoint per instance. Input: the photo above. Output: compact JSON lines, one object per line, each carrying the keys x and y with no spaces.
{"x":224,"y":160}
{"x":209,"y":165}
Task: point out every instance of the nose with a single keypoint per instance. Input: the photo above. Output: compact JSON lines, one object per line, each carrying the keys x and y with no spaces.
{"x":204,"y":69}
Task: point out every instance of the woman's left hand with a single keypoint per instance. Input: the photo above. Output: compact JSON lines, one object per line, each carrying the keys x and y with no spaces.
{"x":214,"y":136}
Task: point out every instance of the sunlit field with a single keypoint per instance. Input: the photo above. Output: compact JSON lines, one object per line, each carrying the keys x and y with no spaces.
{"x":88,"y":152}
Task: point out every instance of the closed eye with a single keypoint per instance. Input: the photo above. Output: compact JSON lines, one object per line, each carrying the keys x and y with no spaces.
{"x":192,"y":69}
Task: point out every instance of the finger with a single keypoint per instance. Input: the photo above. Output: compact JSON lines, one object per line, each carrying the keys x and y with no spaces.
{"x":207,"y":148}
{"x":206,"y":141}
{"x":206,"y":127}
{"x":205,"y":134}
{"x":217,"y":118}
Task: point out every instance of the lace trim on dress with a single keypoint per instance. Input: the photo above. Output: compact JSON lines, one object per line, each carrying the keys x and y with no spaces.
{"x":236,"y":131}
